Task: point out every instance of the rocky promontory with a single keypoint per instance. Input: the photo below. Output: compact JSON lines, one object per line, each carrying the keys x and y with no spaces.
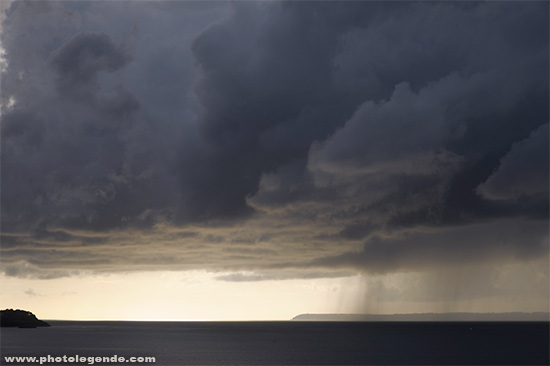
{"x":20,"y":318}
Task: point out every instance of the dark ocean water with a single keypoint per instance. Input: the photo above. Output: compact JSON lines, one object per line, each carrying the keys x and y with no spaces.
{"x":289,"y":343}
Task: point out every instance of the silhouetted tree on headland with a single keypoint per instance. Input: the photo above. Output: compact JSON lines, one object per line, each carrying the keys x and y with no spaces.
{"x":20,"y":318}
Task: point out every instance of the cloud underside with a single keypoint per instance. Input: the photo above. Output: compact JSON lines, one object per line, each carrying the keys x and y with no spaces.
{"x":274,"y":140}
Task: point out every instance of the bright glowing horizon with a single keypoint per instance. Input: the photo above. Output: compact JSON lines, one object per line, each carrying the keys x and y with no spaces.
{"x":200,"y":295}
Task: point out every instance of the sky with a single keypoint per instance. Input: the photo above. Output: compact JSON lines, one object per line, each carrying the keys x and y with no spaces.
{"x":254,"y":160}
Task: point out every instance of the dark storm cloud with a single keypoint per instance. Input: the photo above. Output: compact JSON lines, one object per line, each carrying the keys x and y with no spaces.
{"x":477,"y":243}
{"x":467,"y":92}
{"x":266,"y":95}
{"x":76,"y":150}
{"x":79,"y":60}
{"x":339,"y":136}
{"x":523,"y":171}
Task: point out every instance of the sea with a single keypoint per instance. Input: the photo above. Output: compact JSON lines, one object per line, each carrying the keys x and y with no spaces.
{"x":279,"y":343}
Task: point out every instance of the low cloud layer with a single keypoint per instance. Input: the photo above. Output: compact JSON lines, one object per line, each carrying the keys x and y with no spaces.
{"x":273,"y":139}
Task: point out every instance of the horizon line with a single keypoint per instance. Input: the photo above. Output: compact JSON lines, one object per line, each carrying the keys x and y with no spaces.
{"x":542,"y":313}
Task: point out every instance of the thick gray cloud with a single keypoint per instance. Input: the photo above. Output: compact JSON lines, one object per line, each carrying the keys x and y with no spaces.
{"x":483,"y":242}
{"x":280,"y":139}
{"x":84,"y":144}
{"x":79,"y":60}
{"x":523,"y":171}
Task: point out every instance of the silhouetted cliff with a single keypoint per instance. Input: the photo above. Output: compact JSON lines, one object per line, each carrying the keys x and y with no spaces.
{"x":20,"y":318}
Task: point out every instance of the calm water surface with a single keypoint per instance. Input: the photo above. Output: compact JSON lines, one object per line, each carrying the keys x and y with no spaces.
{"x":290,"y":343}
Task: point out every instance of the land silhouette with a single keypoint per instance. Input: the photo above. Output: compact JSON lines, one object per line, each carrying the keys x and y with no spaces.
{"x":21,"y":319}
{"x":512,"y":316}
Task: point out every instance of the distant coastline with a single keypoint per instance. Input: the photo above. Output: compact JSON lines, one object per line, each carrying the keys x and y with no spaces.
{"x":10,"y":318}
{"x":512,"y":316}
